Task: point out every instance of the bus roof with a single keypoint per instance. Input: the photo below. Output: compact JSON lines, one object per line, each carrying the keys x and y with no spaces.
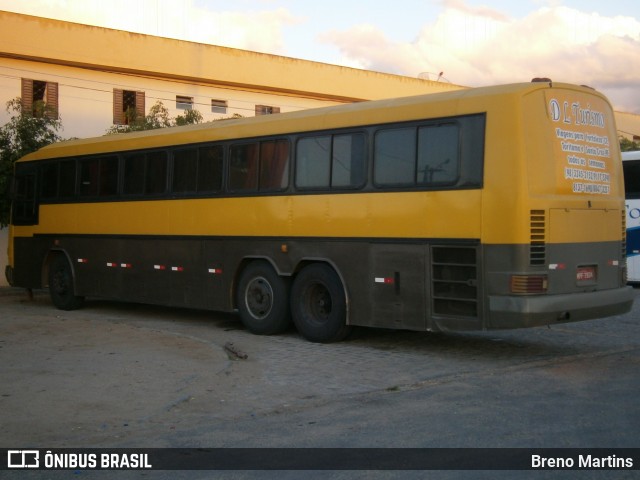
{"x":632,"y":155}
{"x":443,"y":104}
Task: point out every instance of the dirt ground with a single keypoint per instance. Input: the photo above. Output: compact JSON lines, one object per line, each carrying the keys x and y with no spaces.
{"x":124,"y":375}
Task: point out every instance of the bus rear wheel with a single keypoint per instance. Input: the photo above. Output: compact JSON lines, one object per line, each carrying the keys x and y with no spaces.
{"x":318,"y":304}
{"x":61,"y":287}
{"x":263,"y":299}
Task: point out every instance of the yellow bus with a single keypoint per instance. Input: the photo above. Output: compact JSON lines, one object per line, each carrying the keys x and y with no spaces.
{"x":487,"y":208}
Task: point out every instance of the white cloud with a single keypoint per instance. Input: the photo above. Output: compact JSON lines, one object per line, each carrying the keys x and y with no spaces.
{"x":480,"y":46}
{"x":257,"y":30}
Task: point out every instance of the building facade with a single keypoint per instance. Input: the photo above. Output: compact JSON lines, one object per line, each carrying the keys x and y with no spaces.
{"x":91,"y":77}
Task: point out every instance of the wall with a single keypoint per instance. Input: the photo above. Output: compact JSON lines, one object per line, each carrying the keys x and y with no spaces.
{"x":85,"y":97}
{"x":95,"y":48}
{"x":628,"y":125}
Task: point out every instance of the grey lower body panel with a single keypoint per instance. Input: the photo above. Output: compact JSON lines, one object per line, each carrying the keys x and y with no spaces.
{"x":411,"y":284}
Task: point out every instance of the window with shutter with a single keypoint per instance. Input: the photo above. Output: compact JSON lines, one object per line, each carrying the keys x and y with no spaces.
{"x":39,"y":98}
{"x":218,"y":106}
{"x":184,"y":103}
{"x":127,"y":106}
{"x":266,"y":110}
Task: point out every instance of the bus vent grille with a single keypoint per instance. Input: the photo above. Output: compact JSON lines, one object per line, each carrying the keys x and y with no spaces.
{"x":454,"y":274}
{"x":538,"y":245}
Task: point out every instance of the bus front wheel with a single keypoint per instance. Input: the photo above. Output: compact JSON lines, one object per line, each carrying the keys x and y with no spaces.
{"x":318,"y":304}
{"x":61,"y":287}
{"x":263,"y":299}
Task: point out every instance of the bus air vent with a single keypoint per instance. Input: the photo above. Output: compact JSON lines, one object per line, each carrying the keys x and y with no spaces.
{"x":537,"y":244}
{"x":454,"y":274}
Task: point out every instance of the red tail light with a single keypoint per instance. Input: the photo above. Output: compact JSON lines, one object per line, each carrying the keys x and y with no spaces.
{"x":529,"y":284}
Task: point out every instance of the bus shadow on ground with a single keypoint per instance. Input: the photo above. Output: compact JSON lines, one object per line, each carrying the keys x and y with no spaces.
{"x":522,"y":344}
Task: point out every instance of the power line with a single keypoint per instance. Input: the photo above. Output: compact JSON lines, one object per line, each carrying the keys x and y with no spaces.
{"x":238,"y":104}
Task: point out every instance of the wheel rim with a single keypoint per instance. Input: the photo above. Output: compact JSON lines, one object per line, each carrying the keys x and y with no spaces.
{"x":61,"y":282}
{"x":319,"y":302}
{"x":258,"y":298}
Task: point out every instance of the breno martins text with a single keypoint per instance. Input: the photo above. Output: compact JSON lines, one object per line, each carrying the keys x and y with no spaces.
{"x":581,"y":461}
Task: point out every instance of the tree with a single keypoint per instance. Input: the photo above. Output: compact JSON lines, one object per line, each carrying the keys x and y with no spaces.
{"x":158,"y":117}
{"x":190,"y":117}
{"x":627,"y":145}
{"x":26,"y":132}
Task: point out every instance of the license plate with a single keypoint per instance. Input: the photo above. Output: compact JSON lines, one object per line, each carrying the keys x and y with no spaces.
{"x":586,"y":274}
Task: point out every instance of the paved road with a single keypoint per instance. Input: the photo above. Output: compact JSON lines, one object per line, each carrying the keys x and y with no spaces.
{"x":123,"y":375}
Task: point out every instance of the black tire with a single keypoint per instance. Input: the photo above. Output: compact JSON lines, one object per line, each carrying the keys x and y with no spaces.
{"x":61,"y":286}
{"x":263,"y":299}
{"x":318,"y":304}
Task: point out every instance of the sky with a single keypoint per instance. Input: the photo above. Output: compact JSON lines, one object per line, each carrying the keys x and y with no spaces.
{"x":465,"y":42}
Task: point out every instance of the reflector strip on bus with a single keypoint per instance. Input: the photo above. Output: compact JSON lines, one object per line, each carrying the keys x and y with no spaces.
{"x":215,"y":271}
{"x":384,"y":280}
{"x":125,"y":265}
{"x":83,"y":260}
{"x":177,"y":269}
{"x":159,"y":267}
{"x":112,"y":264}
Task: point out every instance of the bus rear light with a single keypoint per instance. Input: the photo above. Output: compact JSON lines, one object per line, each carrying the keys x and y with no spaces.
{"x":529,"y":284}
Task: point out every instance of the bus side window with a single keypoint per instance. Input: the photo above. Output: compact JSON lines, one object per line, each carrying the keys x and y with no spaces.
{"x":243,"y":167}
{"x":395,"y":157}
{"x":134,"y":174}
{"x":331,"y":161}
{"x":210,"y":168}
{"x":438,"y":148}
{"x":313,"y":166}
{"x":89,"y":177}
{"x":108,"y":176}
{"x":24,"y":211}
{"x":49,"y":186}
{"x":156,"y":173}
{"x":145,"y":173}
{"x":274,"y":165}
{"x":197,"y":170}
{"x":347,"y":161}
{"x":185,"y":170}
{"x":67,"y":179}
{"x":58,"y":180}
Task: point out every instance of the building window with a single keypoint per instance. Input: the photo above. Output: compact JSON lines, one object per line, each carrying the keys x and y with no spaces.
{"x":127,"y":106}
{"x":219,"y":106}
{"x":40,"y":98}
{"x":184,"y":103}
{"x":266,"y":110}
